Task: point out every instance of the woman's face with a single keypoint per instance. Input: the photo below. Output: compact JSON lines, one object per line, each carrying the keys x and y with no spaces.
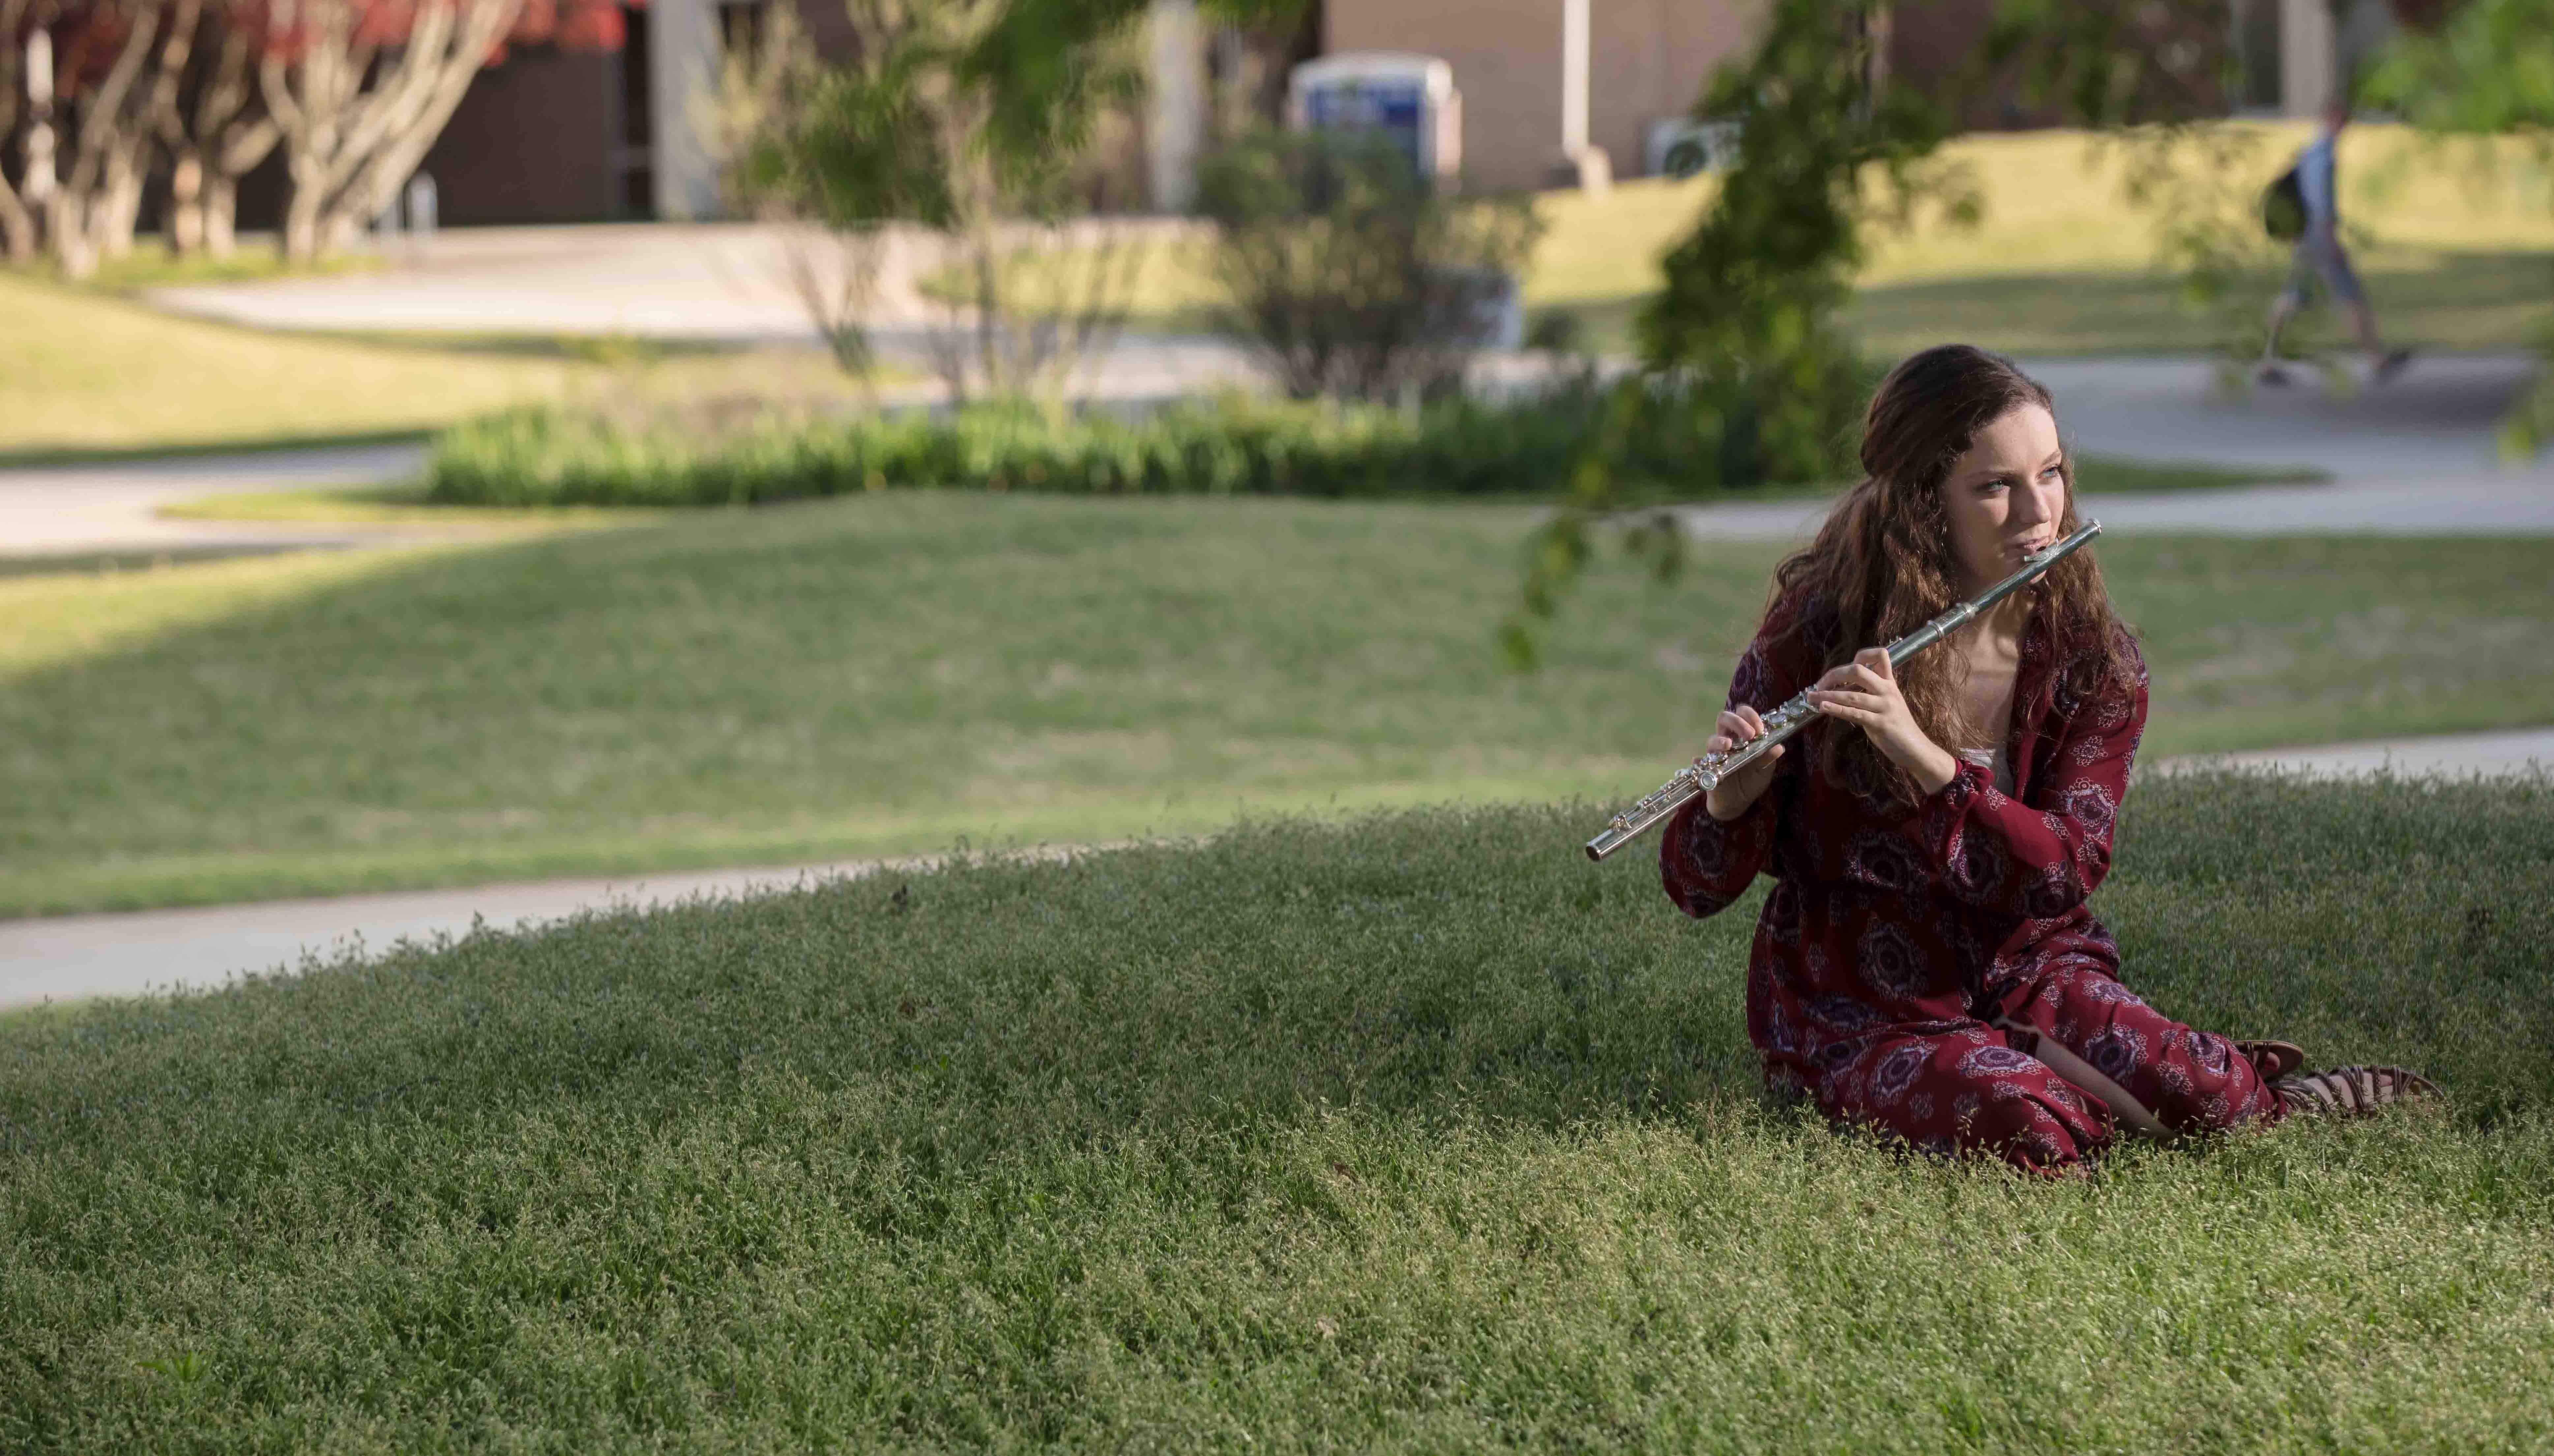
{"x":2006,"y":495}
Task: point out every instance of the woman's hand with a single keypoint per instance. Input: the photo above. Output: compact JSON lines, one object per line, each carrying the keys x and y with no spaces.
{"x":1737,"y":792}
{"x":1864,"y":692}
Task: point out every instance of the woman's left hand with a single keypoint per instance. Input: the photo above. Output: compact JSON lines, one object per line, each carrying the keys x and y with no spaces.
{"x":1864,"y":692}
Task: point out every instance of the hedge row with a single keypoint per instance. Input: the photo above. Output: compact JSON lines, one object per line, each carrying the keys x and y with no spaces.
{"x":546,"y":456}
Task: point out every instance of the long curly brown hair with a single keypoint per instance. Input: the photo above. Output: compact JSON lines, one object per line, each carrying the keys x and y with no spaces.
{"x":1883,"y":565}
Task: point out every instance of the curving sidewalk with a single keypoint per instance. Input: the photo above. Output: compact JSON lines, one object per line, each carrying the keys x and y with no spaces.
{"x":2419,"y":457}
{"x":68,"y":509}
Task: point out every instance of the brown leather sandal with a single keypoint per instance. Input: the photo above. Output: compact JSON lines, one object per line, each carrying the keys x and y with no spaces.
{"x":2272,"y":1059}
{"x":2352,"y":1092}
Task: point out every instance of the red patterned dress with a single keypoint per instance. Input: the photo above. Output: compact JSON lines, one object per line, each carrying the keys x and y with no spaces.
{"x":1931,"y":972}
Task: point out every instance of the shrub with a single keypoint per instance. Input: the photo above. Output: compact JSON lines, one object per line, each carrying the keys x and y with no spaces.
{"x":1349,"y":272}
{"x":544,"y":456}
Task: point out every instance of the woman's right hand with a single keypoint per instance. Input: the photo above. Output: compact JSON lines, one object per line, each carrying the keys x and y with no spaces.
{"x":1737,"y":792}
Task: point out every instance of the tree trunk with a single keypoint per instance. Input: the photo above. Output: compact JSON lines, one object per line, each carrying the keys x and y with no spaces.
{"x":302,"y":211}
{"x":353,"y":131}
{"x":109,"y":151}
{"x":215,"y":129}
{"x":186,"y":205}
{"x":221,"y":213}
{"x":67,"y":228}
{"x":17,"y":227}
{"x":118,"y":208}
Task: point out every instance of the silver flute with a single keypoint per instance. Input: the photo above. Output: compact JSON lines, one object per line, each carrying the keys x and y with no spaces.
{"x":1707,"y":772}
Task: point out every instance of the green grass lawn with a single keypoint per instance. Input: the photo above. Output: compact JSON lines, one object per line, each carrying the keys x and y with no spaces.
{"x":1409,"y":1133}
{"x":86,"y":374}
{"x":888,"y":674}
{"x":2063,"y":264}
{"x":83,"y":373}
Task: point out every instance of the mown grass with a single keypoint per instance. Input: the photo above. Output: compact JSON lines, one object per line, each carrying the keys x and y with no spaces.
{"x":888,"y":674}
{"x":2063,"y":264}
{"x":74,"y":363}
{"x":391,"y":506}
{"x":2462,"y":254}
{"x":87,"y":375}
{"x":1402,"y":1133}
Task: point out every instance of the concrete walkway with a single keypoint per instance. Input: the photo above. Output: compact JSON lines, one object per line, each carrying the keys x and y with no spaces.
{"x":709,"y":282}
{"x":66,"y":957}
{"x":53,"y":510}
{"x":2471,"y":503}
{"x":2419,"y":457}
{"x":2416,"y":458}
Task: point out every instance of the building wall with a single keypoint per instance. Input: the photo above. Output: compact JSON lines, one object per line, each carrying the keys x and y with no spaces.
{"x":1647,"y":59}
{"x":532,"y":141}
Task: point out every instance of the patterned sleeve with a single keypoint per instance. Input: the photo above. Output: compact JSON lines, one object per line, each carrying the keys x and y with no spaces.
{"x":1708,"y":864}
{"x":1999,"y":853}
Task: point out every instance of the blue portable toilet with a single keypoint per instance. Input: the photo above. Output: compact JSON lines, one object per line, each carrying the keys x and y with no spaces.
{"x":1409,"y":98}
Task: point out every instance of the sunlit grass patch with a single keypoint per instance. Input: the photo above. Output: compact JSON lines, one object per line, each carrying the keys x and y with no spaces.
{"x":2064,"y":263}
{"x":74,"y":363}
{"x":62,"y":616}
{"x":391,"y":506}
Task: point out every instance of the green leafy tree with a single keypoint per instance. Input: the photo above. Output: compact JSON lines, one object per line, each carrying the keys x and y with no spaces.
{"x":957,"y":131}
{"x":1742,"y":351}
{"x":2487,"y":71}
{"x":959,"y":122}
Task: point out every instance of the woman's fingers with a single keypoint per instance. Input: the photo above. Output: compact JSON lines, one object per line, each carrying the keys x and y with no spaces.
{"x":1869,"y":702}
{"x":1854,"y":677}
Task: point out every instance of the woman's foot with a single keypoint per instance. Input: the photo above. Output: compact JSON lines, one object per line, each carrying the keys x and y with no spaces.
{"x":2272,"y":1059}
{"x":2352,"y":1091}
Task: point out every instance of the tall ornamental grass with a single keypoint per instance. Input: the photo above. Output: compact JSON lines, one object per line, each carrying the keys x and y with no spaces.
{"x":1406,"y":1132}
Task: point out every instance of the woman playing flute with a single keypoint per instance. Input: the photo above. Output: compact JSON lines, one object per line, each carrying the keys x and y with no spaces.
{"x":1926,"y":965}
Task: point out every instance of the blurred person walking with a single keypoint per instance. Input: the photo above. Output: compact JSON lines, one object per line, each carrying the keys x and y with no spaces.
{"x":2312,"y":189}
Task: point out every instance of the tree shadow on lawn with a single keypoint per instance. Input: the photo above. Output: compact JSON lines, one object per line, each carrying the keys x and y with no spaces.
{"x":1450,"y":965}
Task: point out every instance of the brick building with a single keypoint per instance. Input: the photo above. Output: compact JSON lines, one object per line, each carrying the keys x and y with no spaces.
{"x":556,"y":136}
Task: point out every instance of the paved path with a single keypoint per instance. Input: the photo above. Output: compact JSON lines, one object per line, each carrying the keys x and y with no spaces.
{"x":2419,"y":457}
{"x":667,"y":281}
{"x":72,"y":509}
{"x":63,"y":957}
{"x":2515,"y":504}
{"x":70,"y":957}
{"x":2414,"y":457}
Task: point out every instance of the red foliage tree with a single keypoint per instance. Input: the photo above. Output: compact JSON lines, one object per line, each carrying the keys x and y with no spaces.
{"x":96,"y":96}
{"x":359,"y":89}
